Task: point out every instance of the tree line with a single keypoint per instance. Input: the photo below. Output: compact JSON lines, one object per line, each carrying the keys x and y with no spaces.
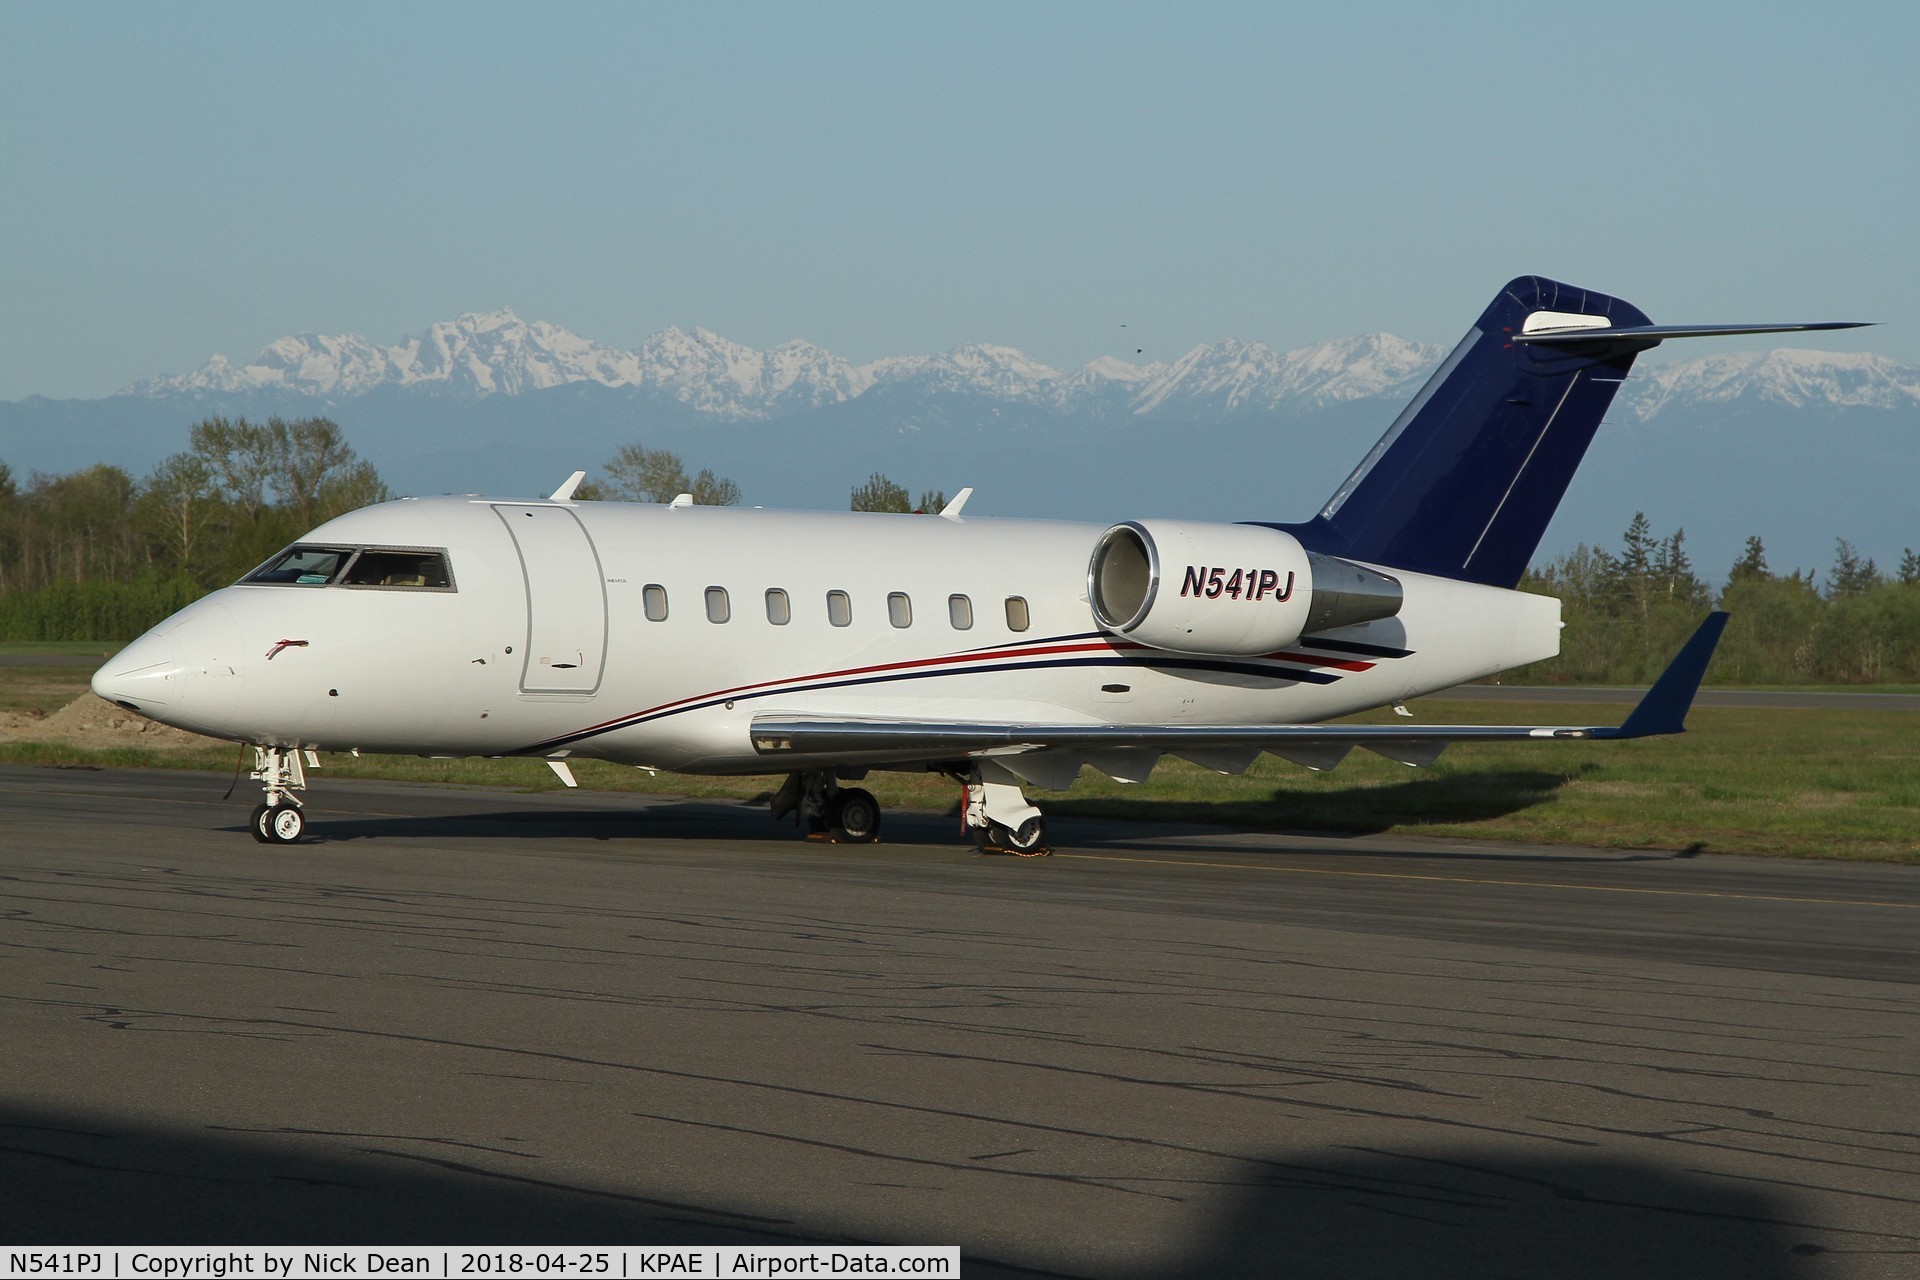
{"x":638,"y":474}
{"x":1627,"y":612}
{"x":99,"y":554}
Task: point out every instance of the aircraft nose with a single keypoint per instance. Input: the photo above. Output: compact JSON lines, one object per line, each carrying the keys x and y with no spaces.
{"x":145,"y":673}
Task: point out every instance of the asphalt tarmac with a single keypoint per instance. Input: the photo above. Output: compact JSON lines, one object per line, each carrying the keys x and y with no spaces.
{"x":463,"y":1016}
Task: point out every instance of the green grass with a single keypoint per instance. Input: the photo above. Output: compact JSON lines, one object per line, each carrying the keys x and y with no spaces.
{"x":41,"y":687}
{"x":1830,"y":687}
{"x":49,"y":686}
{"x":1813,"y":783}
{"x":1805,"y":783}
{"x":89,"y":649}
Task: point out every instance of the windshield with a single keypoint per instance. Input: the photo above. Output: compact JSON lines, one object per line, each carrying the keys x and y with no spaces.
{"x":303,"y":566}
{"x":398,"y":569}
{"x":404,"y":568}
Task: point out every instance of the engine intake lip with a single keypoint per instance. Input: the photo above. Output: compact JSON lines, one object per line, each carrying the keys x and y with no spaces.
{"x":1123,"y":576}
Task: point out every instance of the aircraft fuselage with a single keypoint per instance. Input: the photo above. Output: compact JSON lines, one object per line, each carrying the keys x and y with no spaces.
{"x":542,"y":643}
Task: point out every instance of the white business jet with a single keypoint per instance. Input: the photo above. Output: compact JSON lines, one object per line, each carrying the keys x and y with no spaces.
{"x":1003,"y":653}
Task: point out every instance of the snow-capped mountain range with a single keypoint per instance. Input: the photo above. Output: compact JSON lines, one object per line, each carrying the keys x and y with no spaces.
{"x":1801,"y":446}
{"x":497,"y":353}
{"x":1795,"y":379}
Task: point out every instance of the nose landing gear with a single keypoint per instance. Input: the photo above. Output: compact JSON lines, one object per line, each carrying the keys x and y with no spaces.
{"x":281,"y":820}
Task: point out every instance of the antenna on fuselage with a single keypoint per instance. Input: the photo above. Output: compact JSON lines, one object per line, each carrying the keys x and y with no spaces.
{"x":952,"y":510}
{"x":565,"y":492}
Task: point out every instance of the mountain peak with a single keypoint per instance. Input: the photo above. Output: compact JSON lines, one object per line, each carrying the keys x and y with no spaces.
{"x":485,"y":321}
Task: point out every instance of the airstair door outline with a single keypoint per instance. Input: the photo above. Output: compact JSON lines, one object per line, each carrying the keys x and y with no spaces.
{"x":566,"y":647}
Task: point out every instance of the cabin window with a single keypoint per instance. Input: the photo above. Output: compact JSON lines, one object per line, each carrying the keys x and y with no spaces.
{"x":779,"y":609}
{"x":420,"y":570}
{"x":718,"y":610}
{"x":303,"y":566}
{"x":899,"y":609}
{"x":654,"y":596}
{"x":839,"y":609}
{"x":1017,"y":619}
{"x":960,"y":613}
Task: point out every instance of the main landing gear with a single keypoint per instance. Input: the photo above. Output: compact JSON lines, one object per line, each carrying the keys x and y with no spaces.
{"x":995,"y":811}
{"x":998,"y":816}
{"x":844,"y":815}
{"x":280,"y":820}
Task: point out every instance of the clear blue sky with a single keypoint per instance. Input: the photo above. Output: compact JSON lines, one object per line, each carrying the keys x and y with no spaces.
{"x":884,"y":179}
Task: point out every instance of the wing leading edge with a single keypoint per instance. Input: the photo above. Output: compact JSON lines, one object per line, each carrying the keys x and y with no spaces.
{"x":1662,"y":710}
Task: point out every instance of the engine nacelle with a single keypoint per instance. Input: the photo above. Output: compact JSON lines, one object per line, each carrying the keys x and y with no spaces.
{"x":1226,"y":589}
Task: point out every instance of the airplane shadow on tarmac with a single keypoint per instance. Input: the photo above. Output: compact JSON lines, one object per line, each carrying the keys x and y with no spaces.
{"x":1119,"y":825}
{"x":1358,"y":810}
{"x":78,"y":1178}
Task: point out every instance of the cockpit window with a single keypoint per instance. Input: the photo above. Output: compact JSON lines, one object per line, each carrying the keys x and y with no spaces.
{"x":398,"y":569}
{"x":416,"y":569}
{"x":303,"y":566}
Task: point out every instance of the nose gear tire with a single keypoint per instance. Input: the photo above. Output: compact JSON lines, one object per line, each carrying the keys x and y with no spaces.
{"x":278,"y":824}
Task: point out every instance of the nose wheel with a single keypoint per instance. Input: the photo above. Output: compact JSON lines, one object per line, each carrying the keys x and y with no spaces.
{"x":278,"y":823}
{"x":279,"y":770}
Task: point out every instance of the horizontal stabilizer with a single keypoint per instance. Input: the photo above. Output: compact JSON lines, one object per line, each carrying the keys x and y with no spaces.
{"x":1654,"y":334}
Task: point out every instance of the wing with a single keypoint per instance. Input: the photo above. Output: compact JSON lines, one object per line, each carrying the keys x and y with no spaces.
{"x":1662,"y":710}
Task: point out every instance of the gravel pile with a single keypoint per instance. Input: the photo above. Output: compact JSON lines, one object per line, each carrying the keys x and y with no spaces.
{"x":90,"y":721}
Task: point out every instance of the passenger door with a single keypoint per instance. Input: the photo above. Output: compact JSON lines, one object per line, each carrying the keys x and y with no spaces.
{"x":566,"y":600}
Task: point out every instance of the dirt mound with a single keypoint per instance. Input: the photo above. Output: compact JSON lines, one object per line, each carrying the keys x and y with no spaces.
{"x":89,"y":721}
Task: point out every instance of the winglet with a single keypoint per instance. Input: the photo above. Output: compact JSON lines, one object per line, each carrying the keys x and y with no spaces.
{"x":1664,"y":708}
{"x":565,"y":492}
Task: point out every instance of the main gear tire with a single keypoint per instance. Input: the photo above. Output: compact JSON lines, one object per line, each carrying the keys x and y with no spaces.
{"x":854,"y":816}
{"x":1029,"y":840}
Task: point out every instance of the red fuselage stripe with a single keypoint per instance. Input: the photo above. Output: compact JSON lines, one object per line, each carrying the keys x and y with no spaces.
{"x":949,"y":659}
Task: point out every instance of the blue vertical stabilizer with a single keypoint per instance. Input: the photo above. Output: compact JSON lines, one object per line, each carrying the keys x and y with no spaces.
{"x":1465,"y":481}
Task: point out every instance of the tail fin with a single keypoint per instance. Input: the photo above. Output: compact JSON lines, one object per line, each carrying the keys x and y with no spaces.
{"x":1468,"y":476}
{"x":1466,"y":479}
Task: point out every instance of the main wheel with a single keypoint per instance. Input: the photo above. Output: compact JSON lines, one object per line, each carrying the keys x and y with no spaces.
{"x":279,"y":824}
{"x":855,"y":816}
{"x":1029,"y":841}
